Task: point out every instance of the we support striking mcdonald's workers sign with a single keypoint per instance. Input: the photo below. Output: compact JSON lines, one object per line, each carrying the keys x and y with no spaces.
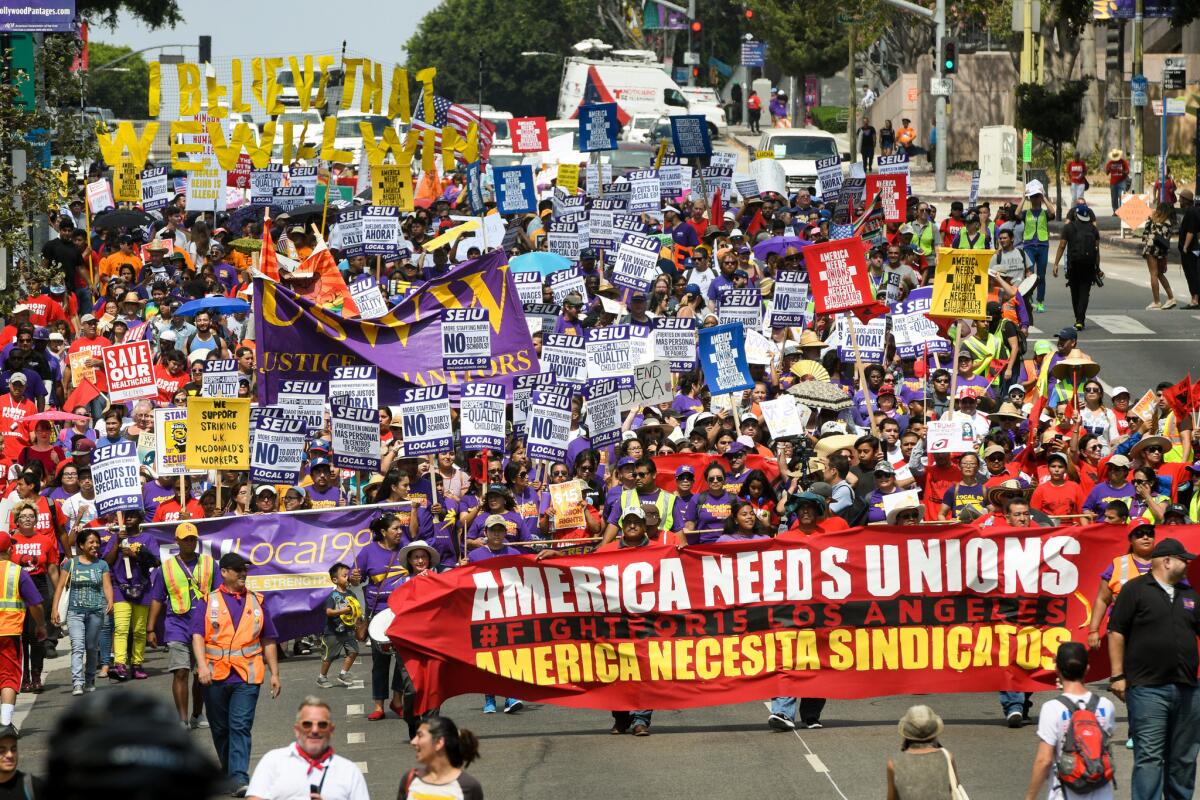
{"x":218,"y":433}
{"x":960,"y":284}
{"x":858,"y":613}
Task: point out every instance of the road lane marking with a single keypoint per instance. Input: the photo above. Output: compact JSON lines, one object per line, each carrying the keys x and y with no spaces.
{"x":1119,"y":323}
{"x":356,"y":738}
{"x":1035,"y":330}
{"x":362,"y":766}
{"x":354,"y":710}
{"x":815,"y":761}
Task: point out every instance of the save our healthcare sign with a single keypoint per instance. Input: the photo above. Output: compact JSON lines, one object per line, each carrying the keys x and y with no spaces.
{"x":722,"y":353}
{"x":130,"y":371}
{"x":115,"y":478}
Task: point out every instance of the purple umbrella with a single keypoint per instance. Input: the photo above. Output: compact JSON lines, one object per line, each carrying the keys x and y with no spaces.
{"x":779,"y":246}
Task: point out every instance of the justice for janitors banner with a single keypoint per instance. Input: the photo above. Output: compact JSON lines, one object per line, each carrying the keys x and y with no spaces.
{"x":300,"y":341}
{"x":859,"y":613}
{"x":290,"y":554}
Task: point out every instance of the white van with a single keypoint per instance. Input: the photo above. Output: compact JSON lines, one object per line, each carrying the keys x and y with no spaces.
{"x":347,"y":135}
{"x":797,"y":150}
{"x":289,"y":98}
{"x":704,"y":100}
{"x":638,"y":87}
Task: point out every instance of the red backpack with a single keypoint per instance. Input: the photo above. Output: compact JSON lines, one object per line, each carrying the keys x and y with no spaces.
{"x":1085,"y":763}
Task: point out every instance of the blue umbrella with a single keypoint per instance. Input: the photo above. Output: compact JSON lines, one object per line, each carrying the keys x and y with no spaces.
{"x":219,"y":305}
{"x":779,"y":245}
{"x":540,"y":262}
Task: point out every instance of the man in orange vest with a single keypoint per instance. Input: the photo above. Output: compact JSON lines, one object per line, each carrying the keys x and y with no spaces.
{"x":232,"y":639}
{"x":18,"y":594}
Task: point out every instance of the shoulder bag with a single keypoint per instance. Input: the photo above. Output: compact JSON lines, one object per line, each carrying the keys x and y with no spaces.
{"x":957,"y":792}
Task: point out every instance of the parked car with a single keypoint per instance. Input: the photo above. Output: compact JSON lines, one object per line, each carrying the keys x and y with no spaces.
{"x":797,"y":150}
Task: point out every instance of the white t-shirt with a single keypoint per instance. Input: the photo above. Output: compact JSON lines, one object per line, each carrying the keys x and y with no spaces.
{"x":1052,"y":727}
{"x":283,"y":775}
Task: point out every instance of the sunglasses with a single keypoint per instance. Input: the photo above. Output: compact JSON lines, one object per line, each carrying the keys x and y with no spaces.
{"x":322,"y":725}
{"x":715,"y":479}
{"x":1154,"y":449}
{"x":685,"y":477}
{"x":642,"y":474}
{"x":558,"y":474}
{"x":1144,"y":535}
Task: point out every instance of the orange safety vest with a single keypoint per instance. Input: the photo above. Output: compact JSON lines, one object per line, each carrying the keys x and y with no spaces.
{"x":238,"y":649}
{"x":1124,"y":570}
{"x":12,"y":607}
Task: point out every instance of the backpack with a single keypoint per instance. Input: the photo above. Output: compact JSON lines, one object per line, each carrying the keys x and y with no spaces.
{"x":1085,"y":763}
{"x":1084,"y":243}
{"x":856,"y":513}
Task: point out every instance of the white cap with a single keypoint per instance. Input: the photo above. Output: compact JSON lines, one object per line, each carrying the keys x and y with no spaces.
{"x":832,"y":426}
{"x":1034,"y":187}
{"x":736,"y":232}
{"x":56,"y":337}
{"x":627,"y":435}
{"x":197,"y":355}
{"x":1116,"y":390}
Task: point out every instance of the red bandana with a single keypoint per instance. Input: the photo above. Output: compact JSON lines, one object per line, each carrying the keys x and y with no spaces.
{"x":318,"y":762}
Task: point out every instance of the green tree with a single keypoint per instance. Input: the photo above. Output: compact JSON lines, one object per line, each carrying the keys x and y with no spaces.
{"x":154,"y":13}
{"x":452,"y":36}
{"x":124,"y":89}
{"x":1054,"y":116}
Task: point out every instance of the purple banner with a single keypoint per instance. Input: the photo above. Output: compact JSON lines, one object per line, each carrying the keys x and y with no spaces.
{"x":297,"y":340}
{"x":290,"y":555}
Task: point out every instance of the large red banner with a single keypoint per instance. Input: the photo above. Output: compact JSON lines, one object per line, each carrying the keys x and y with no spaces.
{"x":859,"y":613}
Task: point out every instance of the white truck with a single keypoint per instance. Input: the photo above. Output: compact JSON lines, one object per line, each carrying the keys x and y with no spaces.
{"x":631,"y":78}
{"x":797,"y":150}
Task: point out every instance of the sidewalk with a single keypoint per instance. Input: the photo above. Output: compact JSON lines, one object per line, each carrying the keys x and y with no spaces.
{"x":958,"y":187}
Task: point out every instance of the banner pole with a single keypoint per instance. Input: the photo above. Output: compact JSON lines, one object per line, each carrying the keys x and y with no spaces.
{"x":87,"y":223}
{"x":120,"y":531}
{"x":954,"y":367}
{"x":432,"y":480}
{"x":862,"y":376}
{"x":219,"y":506}
{"x":378,"y":267}
{"x":182,"y":494}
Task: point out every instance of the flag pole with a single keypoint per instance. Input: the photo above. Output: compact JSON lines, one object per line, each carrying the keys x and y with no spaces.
{"x":958,"y":337}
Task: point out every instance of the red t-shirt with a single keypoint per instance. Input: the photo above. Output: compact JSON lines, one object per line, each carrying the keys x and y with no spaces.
{"x":1076,"y":171}
{"x":95,"y":349}
{"x":167,"y":383}
{"x":44,"y":309}
{"x":168,"y":510}
{"x":937,"y":480}
{"x":1055,"y":500}
{"x":950,"y":228}
{"x":34,"y":553}
{"x":1117,"y":171}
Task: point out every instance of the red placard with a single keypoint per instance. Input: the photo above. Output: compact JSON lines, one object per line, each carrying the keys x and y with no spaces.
{"x":239,"y":176}
{"x":129,"y":368}
{"x":837,"y":275}
{"x":893,"y":193}
{"x":528,"y":134}
{"x":858,"y":613}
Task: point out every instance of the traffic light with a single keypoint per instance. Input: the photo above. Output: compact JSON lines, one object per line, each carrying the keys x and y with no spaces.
{"x":949,"y":57}
{"x":205,"y":49}
{"x":749,"y":14}
{"x":696,"y":72}
{"x":696,"y":26}
{"x":1114,"y":55}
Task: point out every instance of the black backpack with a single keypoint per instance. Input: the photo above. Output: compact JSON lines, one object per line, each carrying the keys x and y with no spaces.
{"x":856,"y":513}
{"x":1084,"y":243}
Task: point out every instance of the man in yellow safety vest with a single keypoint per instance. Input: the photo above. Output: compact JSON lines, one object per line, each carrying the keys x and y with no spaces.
{"x":18,"y":595}
{"x":670,"y":511}
{"x":182,"y":586}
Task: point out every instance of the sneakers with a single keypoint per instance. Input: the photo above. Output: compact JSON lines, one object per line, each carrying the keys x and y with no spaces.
{"x":1039,"y":308}
{"x":35,"y":683}
{"x":241,"y":791}
{"x":118,"y":673}
{"x":77,"y":690}
{"x":1154,"y":307}
{"x":139,"y":674}
{"x":377,"y":715}
{"x":345,"y":678}
{"x":489,"y":705}
{"x":641,"y":730}
{"x":1014,"y":719}
{"x":814,"y":725}
{"x":91,"y":687}
{"x":51,"y":651}
{"x":199,"y":721}
{"x":323,"y":681}
{"x":778,"y":722}
{"x":511,"y":705}
{"x":1128,"y":743}
{"x":1170,"y":303}
{"x":1078,"y":326}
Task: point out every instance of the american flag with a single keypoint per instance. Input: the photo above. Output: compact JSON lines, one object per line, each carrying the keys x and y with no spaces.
{"x":455,"y":115}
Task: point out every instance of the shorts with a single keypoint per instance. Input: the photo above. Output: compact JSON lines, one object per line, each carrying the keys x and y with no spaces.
{"x":180,"y":656}
{"x":337,"y":644}
{"x":12,"y":663}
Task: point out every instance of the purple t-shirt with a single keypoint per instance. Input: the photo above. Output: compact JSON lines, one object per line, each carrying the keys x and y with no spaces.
{"x":28,"y":590}
{"x":438,"y":533}
{"x":236,"y":606}
{"x":484,"y":553}
{"x":1102,"y":494}
{"x":686,"y":405}
{"x":528,"y":506}
{"x":327,"y":499}
{"x":178,"y":627}
{"x":129,"y":572}
{"x":709,"y":512}
{"x":381,"y":571}
{"x":741,"y":537}
{"x":154,"y":495}
{"x":516,"y":527}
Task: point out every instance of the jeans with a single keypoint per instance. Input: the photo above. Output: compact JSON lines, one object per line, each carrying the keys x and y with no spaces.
{"x":381,"y":683}
{"x":1114,"y":191}
{"x":129,"y":622}
{"x":106,"y":641}
{"x":1166,"y":719}
{"x":230,"y":717}
{"x":810,"y":708}
{"x":627,"y":719}
{"x":1015,"y":701}
{"x":1039,"y":254}
{"x":83,"y":626}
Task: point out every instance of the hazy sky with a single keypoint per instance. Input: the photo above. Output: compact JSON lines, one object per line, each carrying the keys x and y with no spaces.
{"x":377,"y":30}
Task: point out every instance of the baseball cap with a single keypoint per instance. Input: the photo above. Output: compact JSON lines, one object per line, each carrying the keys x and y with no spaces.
{"x":627,"y":461}
{"x":1177,"y":509}
{"x":1118,"y":461}
{"x":318,"y":462}
{"x":18,"y":377}
{"x":264,"y":489}
{"x":686,"y":469}
{"x":495,"y":519}
{"x":1057,"y":455}
{"x":573,"y":299}
{"x":884,"y":468}
{"x":57,"y":337}
{"x":633,"y":511}
{"x":1042,"y":347}
{"x":19,"y":307}
{"x":1068,"y":333}
{"x":967,"y":393}
{"x":740,"y":273}
{"x":1171,"y":547}
{"x":186,"y":530}
{"x":692,"y":288}
{"x":1118,"y":390}
{"x":235,"y":562}
{"x":87,"y":318}
{"x":587,"y":252}
{"x":994,"y":449}
{"x":1194,"y":467}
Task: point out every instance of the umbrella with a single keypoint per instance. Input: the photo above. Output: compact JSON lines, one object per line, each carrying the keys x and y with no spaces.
{"x":124,"y":218}
{"x":540,"y":262}
{"x":822,"y":395}
{"x":779,"y":246}
{"x":246,"y":245}
{"x":220,"y":305}
{"x":54,"y":415}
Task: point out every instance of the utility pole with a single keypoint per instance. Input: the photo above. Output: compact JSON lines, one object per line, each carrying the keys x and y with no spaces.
{"x":852,"y":117}
{"x":938,"y":17}
{"x":1138,"y":113}
{"x":691,"y":12}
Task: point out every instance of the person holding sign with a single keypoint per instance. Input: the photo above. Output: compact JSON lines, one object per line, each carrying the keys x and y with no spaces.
{"x":131,"y":555}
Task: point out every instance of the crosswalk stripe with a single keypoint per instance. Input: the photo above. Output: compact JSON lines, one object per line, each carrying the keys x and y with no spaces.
{"x":362,"y":766}
{"x":1035,"y":330}
{"x":354,"y":710}
{"x":1119,"y":323}
{"x":357,"y":737}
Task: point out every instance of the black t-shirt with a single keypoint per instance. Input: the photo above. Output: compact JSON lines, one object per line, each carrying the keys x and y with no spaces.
{"x":1190,"y":223}
{"x":1160,"y":632}
{"x":1083,"y":242}
{"x":64,"y":256}
{"x":14,"y":788}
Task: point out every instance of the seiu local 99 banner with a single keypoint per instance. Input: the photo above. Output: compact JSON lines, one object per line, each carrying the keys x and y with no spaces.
{"x":854,"y":614}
